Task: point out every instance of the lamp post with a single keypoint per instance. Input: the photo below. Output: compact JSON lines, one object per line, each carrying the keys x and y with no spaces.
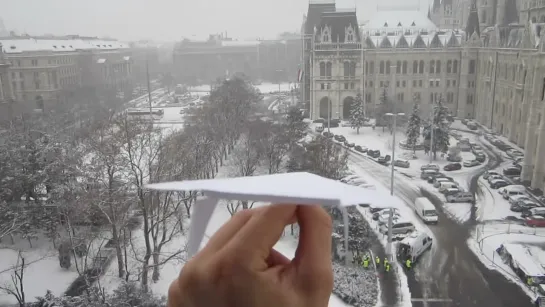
{"x":391,"y":216}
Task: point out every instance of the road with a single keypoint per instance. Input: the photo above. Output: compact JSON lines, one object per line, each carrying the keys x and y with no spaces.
{"x":451,"y":270}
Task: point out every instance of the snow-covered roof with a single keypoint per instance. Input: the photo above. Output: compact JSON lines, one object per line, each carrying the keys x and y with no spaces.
{"x":396,"y":19}
{"x":528,"y":258}
{"x":57,"y":45}
{"x":417,"y":39}
{"x":239,"y":43}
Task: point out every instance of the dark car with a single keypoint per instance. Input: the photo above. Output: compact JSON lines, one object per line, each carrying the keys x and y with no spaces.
{"x":480,"y":157}
{"x":373,"y":153}
{"x":319,"y":121}
{"x":498,"y":184}
{"x":360,"y":149}
{"x":452,"y":167}
{"x":512,"y":171}
{"x":348,"y":144}
{"x":328,"y":135}
{"x":340,"y":138}
{"x":382,"y":160}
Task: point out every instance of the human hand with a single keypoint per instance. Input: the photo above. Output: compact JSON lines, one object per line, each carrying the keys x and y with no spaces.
{"x":239,"y":267}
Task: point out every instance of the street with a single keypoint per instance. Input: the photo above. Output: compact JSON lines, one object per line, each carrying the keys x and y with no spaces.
{"x":450,"y":270}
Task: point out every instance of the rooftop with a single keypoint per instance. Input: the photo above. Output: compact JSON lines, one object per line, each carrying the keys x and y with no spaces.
{"x":400,"y":19}
{"x":20,"y":45}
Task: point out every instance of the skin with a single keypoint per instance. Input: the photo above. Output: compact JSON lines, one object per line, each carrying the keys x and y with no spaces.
{"x":240,"y":268}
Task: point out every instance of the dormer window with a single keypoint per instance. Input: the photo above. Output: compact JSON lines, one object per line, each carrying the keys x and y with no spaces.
{"x":413,"y":24}
{"x":386,"y":24}
{"x":349,"y":34}
{"x":326,"y":35}
{"x":399,"y":24}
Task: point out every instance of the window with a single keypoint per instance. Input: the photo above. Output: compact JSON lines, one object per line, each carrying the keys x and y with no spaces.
{"x":437,"y":67}
{"x":328,"y":86}
{"x":400,"y":97}
{"x":415,"y":67}
{"x":322,"y":69}
{"x":432,"y":66}
{"x":381,"y":84}
{"x":417,"y":96}
{"x":449,"y":66}
{"x":404,"y":83}
{"x":34,"y":62}
{"x":484,"y":17}
{"x":450,"y":97}
{"x":352,"y":69}
{"x":372,"y":67}
{"x":366,"y":68}
{"x":431,"y":97}
{"x":368,"y":97}
{"x":346,"y":85}
{"x":328,"y":69}
{"x":431,"y":83}
{"x":404,"y":70}
{"x":370,"y":83}
{"x":414,"y":83}
{"x":346,"y":69}
{"x":398,"y":67}
{"x":436,"y":83}
{"x":421,"y":67}
{"x":448,"y":83}
{"x":322,"y":86}
{"x":382,"y":67}
{"x":455,"y":67}
{"x":454,"y":83}
{"x":420,"y":83}
{"x":352,"y":85}
{"x":14,"y":85}
{"x":397,"y":83}
{"x":388,"y":67}
{"x":472,"y":66}
{"x":22,"y":85}
{"x":18,"y":62}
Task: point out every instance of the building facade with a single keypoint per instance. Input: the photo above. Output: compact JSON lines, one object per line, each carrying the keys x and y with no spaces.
{"x":201,"y":62}
{"x":44,"y":71}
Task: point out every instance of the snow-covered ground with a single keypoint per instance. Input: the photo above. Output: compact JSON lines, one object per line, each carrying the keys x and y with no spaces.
{"x":264,"y":88}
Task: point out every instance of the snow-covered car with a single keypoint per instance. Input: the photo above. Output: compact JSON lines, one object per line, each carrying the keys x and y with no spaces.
{"x":361,"y":149}
{"x":384,"y":217}
{"x":434,"y":167}
{"x":349,"y":178}
{"x":426,"y":174}
{"x":535,"y":221}
{"x":384,"y":160}
{"x":512,"y":171}
{"x":534,"y":211}
{"x":494,"y":177}
{"x":498,"y":183}
{"x":414,"y":245}
{"x":385,"y":212}
{"x":471,"y":163}
{"x":461,"y":197}
{"x":523,"y":205}
{"x":402,"y":163}
{"x":452,"y":191}
{"x":514,"y":198}
{"x":349,"y":145}
{"x":434,"y":179}
{"x":514,"y":153}
{"x":490,"y":173}
{"x":376,"y":208}
{"x":480,"y":156}
{"x":437,"y":182}
{"x":400,"y":226}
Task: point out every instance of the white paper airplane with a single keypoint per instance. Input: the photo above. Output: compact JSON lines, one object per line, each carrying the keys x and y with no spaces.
{"x":288,"y":188}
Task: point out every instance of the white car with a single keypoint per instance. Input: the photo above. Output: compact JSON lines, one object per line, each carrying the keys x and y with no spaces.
{"x":349,"y":178}
{"x":513,"y":199}
{"x":471,"y":163}
{"x":462,"y":197}
{"x":494,"y":177}
{"x":434,"y":167}
{"x":385,"y":216}
{"x":490,"y":173}
{"x":439,"y":180}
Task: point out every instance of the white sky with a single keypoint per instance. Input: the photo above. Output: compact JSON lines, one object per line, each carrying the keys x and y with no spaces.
{"x":168,"y":20}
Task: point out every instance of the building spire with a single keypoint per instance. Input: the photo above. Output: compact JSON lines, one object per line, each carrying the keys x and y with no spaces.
{"x":473,"y":21}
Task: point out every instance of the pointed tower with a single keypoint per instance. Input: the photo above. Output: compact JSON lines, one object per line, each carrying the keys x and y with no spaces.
{"x":473,"y":21}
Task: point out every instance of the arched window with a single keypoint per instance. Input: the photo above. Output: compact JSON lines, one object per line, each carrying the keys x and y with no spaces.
{"x":328,"y":69}
{"x":455,"y":67}
{"x":432,"y":66}
{"x":449,"y":66}
{"x":438,"y":67}
{"x":415,"y":67}
{"x":322,"y":69}
{"x":346,"y":69}
{"x":372,"y":67}
{"x":404,"y":70}
{"x":421,"y":67}
{"x":353,"y":69}
{"x":398,"y":67}
{"x":382,"y":67}
{"x":388,"y":64}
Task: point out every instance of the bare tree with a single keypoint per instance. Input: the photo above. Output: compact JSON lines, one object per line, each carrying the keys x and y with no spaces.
{"x":16,"y":287}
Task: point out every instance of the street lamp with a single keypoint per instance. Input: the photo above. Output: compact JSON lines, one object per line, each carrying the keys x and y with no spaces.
{"x":391,"y":216}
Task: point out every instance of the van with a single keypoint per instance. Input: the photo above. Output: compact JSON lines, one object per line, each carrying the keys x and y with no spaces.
{"x":426,"y":210}
{"x":413,"y":246}
{"x":447,"y":185}
{"x":512,"y":188}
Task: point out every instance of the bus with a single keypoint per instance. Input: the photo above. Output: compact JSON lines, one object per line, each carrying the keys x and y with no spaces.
{"x":145,"y":113}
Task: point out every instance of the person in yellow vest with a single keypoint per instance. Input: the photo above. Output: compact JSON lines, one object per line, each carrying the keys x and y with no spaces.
{"x":365,"y":262}
{"x":377,"y":260}
{"x":387,"y":267}
{"x":529,"y":281}
{"x":386,"y":261}
{"x":408,"y":263}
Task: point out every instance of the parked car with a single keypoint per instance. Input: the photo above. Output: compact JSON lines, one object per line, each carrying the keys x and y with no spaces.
{"x":471,"y":163}
{"x":373,"y":153}
{"x":328,"y":134}
{"x":534,"y":211}
{"x":433,"y":179}
{"x":349,"y":145}
{"x":319,"y":129}
{"x":383,"y":218}
{"x":361,"y":149}
{"x":461,"y":197}
{"x":340,"y":138}
{"x":452,"y":167}
{"x":402,"y":163}
{"x":451,"y":191}
{"x":464,"y":121}
{"x":464,"y":147}
{"x":514,"y":153}
{"x":481,"y":157}
{"x":385,"y":212}
{"x":522,"y":205}
{"x":437,"y":181}
{"x":494,"y":177}
{"x":514,"y":198}
{"x":430,"y":167}
{"x":498,"y":183}
{"x":426,"y":174}
{"x":400,"y":226}
{"x":319,"y":121}
{"x":535,"y":221}
{"x":489,"y":173}
{"x":383,"y":160}
{"x":374,"y":208}
{"x":512,"y":171}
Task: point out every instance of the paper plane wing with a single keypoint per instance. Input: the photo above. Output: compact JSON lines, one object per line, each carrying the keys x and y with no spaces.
{"x":287,"y":188}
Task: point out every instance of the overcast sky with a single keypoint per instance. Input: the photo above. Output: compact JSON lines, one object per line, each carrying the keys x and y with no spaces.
{"x":168,"y":20}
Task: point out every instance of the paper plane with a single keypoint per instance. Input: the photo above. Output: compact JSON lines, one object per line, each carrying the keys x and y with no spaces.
{"x":287,"y":188}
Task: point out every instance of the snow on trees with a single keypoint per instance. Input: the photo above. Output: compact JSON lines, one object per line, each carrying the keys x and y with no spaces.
{"x":386,"y":106}
{"x":413,"y":128}
{"x":357,"y":114}
{"x":441,"y":129}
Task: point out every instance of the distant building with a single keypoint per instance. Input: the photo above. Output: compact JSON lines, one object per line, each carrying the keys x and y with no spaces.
{"x":201,"y":62}
{"x":46,"y":70}
{"x":145,"y":57}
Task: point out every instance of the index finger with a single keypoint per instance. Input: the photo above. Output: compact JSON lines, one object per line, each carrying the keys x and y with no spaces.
{"x":263,"y":230}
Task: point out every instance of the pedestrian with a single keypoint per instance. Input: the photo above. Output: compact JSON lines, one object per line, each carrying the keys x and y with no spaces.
{"x":529,"y":281}
{"x":387,"y":267}
{"x":386,"y":260}
{"x":377,"y":260}
{"x":408,"y":263}
{"x":365,"y":262}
